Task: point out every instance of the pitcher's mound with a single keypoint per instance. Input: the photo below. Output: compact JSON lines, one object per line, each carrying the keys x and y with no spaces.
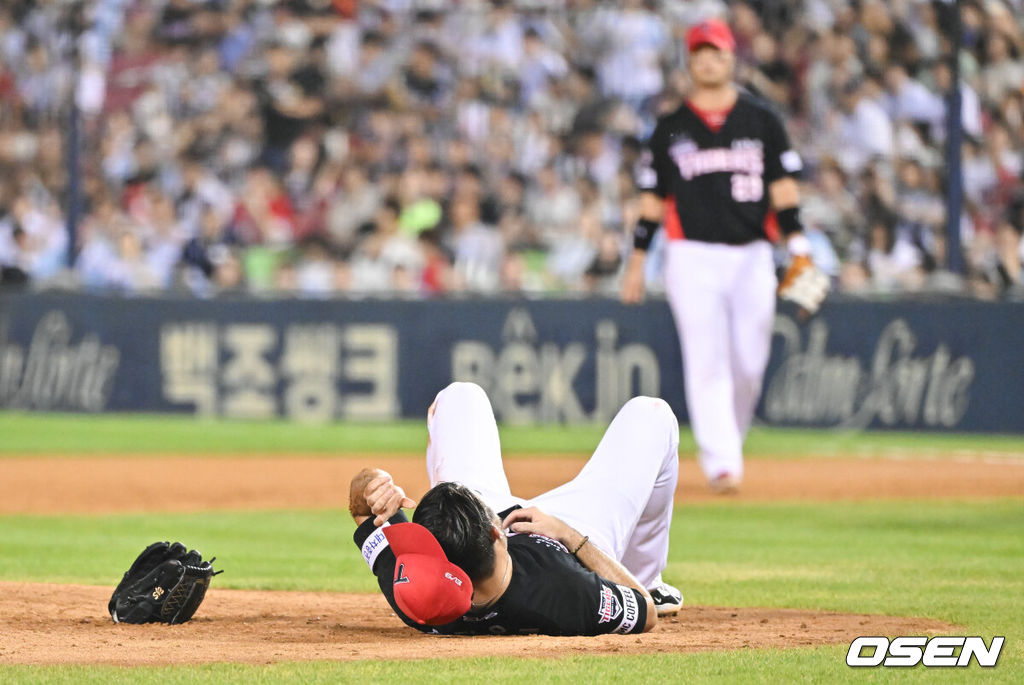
{"x":65,"y":624}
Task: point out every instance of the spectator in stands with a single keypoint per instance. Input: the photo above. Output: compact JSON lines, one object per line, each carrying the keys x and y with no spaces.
{"x":909,"y":100}
{"x":553,"y":206}
{"x":865,"y":130}
{"x":829,"y":206}
{"x":13,"y":244}
{"x":42,"y":241}
{"x":893,"y":261}
{"x":290,"y":100}
{"x":208,"y":261}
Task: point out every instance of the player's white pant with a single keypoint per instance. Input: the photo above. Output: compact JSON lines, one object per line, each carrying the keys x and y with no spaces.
{"x":622,"y":498}
{"x":723,"y":301}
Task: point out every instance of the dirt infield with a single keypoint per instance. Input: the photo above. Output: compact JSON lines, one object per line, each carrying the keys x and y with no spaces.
{"x":62,"y":485}
{"x":58,"y":624}
{"x":182,"y":483}
{"x":64,"y":624}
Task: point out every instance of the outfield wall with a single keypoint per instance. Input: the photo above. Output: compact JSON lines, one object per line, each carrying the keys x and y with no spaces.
{"x":954,"y":365}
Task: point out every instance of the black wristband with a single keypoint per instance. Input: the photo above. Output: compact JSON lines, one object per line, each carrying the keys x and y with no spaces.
{"x":789,"y":220}
{"x":643,"y":234}
{"x":580,"y":546}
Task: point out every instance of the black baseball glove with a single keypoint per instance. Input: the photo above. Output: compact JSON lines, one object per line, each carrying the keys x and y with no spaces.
{"x":166,"y":584}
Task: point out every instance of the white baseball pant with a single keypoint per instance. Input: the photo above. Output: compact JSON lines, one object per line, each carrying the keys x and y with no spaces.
{"x":723,"y":302}
{"x":622,"y":498}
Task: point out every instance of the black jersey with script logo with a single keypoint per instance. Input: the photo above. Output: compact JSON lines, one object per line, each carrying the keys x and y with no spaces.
{"x":715,"y":183}
{"x":550,"y":592}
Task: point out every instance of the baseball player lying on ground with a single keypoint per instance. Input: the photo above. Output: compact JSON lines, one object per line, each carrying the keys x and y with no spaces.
{"x":582,"y":559}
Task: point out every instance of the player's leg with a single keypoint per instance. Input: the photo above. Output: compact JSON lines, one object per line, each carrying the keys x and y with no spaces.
{"x":623,"y":496}
{"x":753,"y":312}
{"x":463,"y":444}
{"x":698,"y":277}
{"x":647,"y":548}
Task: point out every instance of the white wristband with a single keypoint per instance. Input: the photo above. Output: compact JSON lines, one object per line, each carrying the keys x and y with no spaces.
{"x":798,"y":245}
{"x":376,"y":543}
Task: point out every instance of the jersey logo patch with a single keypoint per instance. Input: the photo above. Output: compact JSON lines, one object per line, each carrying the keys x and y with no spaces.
{"x":791,"y":162}
{"x":610,"y":608}
{"x":400,"y":577}
{"x":631,"y":615}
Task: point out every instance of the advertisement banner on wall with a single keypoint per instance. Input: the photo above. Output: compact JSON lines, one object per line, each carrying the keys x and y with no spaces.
{"x":913,"y":366}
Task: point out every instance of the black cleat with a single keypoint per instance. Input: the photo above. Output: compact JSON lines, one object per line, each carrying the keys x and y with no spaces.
{"x":667,"y":599}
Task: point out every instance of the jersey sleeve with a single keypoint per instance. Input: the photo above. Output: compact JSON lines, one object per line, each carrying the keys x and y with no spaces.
{"x":378,"y":556}
{"x":584,"y":603}
{"x":619,"y":609}
{"x":781,"y":160}
{"x":606,"y":607}
{"x":652,"y":172}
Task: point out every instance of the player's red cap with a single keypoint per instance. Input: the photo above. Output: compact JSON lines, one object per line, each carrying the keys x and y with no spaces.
{"x":710,"y":32}
{"x":428,"y":588}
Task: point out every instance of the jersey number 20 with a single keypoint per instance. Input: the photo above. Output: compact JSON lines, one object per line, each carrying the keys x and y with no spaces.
{"x":747,"y":188}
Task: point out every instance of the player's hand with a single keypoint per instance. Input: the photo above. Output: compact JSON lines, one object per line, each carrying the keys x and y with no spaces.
{"x":533,"y":520}
{"x":357,"y":505}
{"x":804,"y":284}
{"x":633,"y":279}
{"x":385,"y":498}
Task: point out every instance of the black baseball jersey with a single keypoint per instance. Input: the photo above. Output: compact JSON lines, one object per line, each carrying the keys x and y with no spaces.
{"x":550,"y":592}
{"x":715,"y":183}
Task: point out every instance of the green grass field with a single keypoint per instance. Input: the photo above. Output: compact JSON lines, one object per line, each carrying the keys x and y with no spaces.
{"x":959,"y":561}
{"x":69,"y":434}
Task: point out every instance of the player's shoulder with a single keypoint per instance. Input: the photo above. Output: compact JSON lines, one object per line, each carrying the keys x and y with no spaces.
{"x":670,"y":123}
{"x":540,"y":554}
{"x":674,"y":117}
{"x":758,"y":106}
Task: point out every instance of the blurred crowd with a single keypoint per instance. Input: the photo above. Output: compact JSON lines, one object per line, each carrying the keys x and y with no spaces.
{"x":485,"y":146}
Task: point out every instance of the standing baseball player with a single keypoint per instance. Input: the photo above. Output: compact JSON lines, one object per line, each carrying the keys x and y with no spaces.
{"x":714,"y":173}
{"x":583,"y":559}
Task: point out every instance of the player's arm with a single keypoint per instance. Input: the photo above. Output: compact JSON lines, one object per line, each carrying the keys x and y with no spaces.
{"x":803,"y":284}
{"x":782,"y":168}
{"x":652,"y":181}
{"x":371,"y":485}
{"x":784,"y":194}
{"x":652,"y":213}
{"x":533,"y":520}
{"x":376,"y":552}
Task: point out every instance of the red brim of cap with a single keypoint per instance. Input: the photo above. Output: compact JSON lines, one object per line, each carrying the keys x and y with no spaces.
{"x":428,"y":588}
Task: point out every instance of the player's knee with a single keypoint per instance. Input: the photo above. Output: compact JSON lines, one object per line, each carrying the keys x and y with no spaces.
{"x":463,"y":389}
{"x":652,"y":411}
{"x":651,"y":406}
{"x":463,"y":395}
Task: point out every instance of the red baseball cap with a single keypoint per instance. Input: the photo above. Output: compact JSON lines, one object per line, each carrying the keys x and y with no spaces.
{"x":428,"y":588}
{"x":713,"y":32}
